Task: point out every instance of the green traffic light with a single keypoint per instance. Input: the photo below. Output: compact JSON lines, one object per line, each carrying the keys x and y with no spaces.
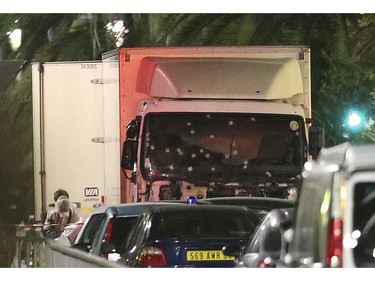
{"x":354,"y":119}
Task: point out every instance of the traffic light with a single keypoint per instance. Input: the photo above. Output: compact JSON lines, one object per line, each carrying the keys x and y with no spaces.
{"x":354,"y":120}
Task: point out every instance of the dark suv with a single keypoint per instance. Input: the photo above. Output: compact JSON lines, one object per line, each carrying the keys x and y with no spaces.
{"x":110,"y":224}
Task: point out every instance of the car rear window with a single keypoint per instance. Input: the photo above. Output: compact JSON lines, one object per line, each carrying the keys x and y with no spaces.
{"x":92,"y":229}
{"x":121,"y":228}
{"x":364,"y":223}
{"x":202,"y":225}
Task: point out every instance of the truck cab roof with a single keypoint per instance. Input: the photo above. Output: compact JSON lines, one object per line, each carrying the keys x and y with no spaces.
{"x":256,"y":78}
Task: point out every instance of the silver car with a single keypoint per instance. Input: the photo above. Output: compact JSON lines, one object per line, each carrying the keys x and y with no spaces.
{"x":335,"y":218}
{"x":267,"y":246}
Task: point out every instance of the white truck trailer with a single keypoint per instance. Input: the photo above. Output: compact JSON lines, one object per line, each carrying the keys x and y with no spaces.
{"x":71,"y":118}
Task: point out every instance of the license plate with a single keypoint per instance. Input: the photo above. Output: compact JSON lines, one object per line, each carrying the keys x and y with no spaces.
{"x":207,"y":256}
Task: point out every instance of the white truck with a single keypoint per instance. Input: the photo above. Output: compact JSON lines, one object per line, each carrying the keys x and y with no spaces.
{"x":148,"y":124}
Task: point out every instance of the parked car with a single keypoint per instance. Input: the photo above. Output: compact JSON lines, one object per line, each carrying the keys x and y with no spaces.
{"x":187,"y":236}
{"x":335,"y":217}
{"x":110,"y":224}
{"x":260,"y":205}
{"x":268,"y":244}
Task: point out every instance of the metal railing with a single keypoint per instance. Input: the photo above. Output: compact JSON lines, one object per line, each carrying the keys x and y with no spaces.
{"x":33,"y":250}
{"x":30,"y":246}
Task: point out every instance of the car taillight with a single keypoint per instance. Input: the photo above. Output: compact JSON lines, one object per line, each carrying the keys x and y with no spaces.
{"x":103,"y":255}
{"x":108,"y":231}
{"x":334,"y":252}
{"x":152,"y":256}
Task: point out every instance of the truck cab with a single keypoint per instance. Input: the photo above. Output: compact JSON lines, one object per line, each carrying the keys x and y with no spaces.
{"x":213,"y":122}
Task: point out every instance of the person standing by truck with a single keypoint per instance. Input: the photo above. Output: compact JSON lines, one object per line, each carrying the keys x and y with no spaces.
{"x":62,"y":215}
{"x":60,"y":192}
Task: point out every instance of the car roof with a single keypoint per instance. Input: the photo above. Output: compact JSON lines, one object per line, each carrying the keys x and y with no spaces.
{"x":129,"y":209}
{"x":266,"y":203}
{"x":196,"y":207}
{"x":350,"y":156}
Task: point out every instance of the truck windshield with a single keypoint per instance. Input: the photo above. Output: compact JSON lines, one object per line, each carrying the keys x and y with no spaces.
{"x":227,"y":146}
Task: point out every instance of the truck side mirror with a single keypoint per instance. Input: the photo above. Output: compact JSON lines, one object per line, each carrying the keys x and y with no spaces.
{"x":132,"y":129}
{"x":129,"y":154}
{"x":316,"y":140}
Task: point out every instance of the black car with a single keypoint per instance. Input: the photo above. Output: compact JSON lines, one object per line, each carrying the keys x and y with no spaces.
{"x":187,"y":236}
{"x":260,"y":205}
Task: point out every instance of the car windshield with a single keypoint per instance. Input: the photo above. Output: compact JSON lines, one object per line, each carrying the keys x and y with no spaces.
{"x":201,"y":145}
{"x":202,"y":224}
